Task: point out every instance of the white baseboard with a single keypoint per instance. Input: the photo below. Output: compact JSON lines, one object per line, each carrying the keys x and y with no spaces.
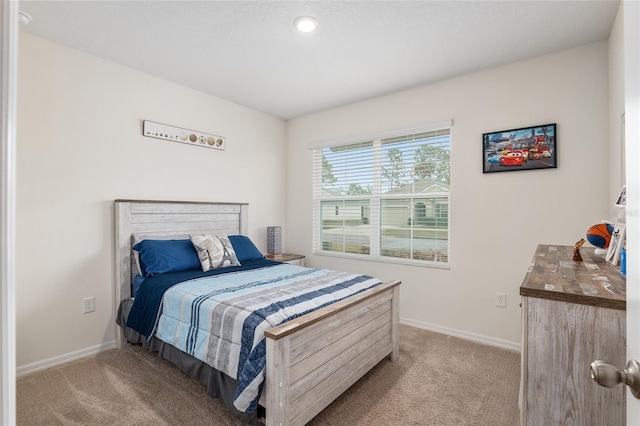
{"x":505,"y":344}
{"x":63,"y":359}
{"x":83,"y":353}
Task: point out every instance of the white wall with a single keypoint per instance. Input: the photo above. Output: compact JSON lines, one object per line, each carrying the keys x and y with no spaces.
{"x":497,"y":220}
{"x":80,"y":146}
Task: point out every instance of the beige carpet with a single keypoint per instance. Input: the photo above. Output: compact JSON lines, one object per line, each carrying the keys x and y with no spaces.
{"x":438,"y":380}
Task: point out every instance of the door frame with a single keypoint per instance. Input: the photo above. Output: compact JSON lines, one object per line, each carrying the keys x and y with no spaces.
{"x":632,"y":159}
{"x":8,"y":124}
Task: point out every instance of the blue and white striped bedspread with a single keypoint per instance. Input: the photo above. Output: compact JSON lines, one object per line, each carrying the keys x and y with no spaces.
{"x":221,"y":319}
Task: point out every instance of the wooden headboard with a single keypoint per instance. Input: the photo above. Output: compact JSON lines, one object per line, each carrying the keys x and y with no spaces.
{"x":159,"y":218}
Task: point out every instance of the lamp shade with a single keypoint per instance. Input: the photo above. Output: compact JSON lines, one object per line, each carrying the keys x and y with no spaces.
{"x":274,"y":239}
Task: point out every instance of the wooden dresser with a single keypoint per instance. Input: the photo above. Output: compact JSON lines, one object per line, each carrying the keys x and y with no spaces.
{"x":573,"y":313}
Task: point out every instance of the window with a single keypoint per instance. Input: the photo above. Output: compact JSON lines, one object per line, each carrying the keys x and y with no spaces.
{"x":384,"y":197}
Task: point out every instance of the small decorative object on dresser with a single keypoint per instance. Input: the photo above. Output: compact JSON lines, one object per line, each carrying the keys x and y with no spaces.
{"x":599,"y":235}
{"x":576,"y":250}
{"x":274,"y":239}
{"x":616,"y":244}
{"x":618,"y":236}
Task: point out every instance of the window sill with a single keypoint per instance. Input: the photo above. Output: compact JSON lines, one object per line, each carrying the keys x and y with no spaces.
{"x":384,"y":259}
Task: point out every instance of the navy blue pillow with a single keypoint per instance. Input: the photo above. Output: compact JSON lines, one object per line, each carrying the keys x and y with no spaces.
{"x":161,"y":256}
{"x":244,"y":248}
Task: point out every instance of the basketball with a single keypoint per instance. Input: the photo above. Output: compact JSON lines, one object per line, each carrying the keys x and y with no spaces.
{"x":600,"y":235}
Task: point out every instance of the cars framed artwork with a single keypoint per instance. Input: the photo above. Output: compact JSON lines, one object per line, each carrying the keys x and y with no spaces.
{"x":526,"y":148}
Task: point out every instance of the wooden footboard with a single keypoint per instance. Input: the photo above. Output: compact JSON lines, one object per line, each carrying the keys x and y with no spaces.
{"x":315,"y":358}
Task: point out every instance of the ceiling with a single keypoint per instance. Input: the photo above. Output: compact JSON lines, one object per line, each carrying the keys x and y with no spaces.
{"x":249,"y":52}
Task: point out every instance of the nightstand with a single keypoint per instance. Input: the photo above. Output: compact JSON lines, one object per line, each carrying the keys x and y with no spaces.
{"x":293,"y":259}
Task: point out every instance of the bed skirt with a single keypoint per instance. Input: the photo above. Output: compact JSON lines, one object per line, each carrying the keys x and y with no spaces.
{"x":218,"y":384}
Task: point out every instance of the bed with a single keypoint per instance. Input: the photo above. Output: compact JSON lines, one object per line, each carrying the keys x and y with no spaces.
{"x":309,"y":360}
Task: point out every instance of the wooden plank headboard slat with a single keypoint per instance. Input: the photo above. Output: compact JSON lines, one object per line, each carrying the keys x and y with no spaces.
{"x":195,"y":217}
{"x":184,"y":227}
{"x":158,"y":208}
{"x":134,"y":201}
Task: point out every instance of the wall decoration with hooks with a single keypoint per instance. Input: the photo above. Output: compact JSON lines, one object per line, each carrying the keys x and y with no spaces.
{"x":177,"y":134}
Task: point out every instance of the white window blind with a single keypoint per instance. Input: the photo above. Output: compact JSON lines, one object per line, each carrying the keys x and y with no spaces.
{"x":386,"y":198}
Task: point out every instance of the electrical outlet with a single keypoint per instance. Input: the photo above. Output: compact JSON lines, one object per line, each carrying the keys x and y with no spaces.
{"x":501,"y":300}
{"x":88,"y":305}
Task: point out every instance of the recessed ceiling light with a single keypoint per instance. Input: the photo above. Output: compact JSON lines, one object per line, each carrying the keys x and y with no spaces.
{"x":23,"y":18}
{"x":306,"y":24}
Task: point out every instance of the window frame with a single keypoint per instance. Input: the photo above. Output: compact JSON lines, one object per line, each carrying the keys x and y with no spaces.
{"x":377,"y":198}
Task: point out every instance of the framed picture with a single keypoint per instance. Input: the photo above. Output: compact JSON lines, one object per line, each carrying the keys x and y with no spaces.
{"x":623,"y":162}
{"x":616,"y":244}
{"x":621,"y":201}
{"x":527,"y":148}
